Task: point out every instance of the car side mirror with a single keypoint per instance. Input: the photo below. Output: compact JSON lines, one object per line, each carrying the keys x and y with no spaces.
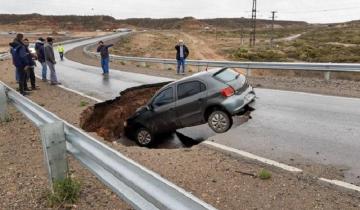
{"x":150,"y":107}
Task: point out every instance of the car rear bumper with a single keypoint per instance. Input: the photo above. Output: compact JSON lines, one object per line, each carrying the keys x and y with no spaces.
{"x":236,"y":103}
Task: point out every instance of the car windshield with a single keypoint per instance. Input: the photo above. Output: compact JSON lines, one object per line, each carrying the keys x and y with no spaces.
{"x":226,"y":75}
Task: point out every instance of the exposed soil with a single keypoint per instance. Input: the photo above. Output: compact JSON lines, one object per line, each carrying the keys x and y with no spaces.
{"x":107,"y":118}
{"x":216,"y":178}
{"x":161,"y":44}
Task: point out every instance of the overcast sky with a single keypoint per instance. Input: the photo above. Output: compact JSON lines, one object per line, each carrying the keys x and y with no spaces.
{"x":313,"y":11}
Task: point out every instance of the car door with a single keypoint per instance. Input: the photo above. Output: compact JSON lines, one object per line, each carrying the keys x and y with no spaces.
{"x":191,"y":98}
{"x":163,"y":117}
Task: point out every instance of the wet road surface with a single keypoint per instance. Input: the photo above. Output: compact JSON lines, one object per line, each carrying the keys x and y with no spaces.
{"x":287,"y":125}
{"x":322,"y":129}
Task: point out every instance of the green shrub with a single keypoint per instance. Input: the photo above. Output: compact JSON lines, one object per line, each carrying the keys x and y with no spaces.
{"x":7,"y":119}
{"x":64,"y":192}
{"x":84,"y":103}
{"x":264,"y":174}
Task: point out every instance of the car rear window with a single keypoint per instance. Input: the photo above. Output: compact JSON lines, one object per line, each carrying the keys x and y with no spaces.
{"x":226,"y":75}
{"x":188,"y":89}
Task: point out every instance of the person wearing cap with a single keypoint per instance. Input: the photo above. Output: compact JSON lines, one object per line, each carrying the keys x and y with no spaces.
{"x":40,"y":54}
{"x":61,"y":50}
{"x":50,"y":60}
{"x":104,"y":53}
{"x":182,"y":52}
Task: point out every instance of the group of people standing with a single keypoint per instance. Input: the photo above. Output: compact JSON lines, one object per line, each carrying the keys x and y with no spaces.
{"x":24,"y":61}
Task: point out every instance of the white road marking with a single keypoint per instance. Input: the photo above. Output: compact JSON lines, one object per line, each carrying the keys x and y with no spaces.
{"x":342,"y":184}
{"x":253,"y":157}
{"x":310,"y":94}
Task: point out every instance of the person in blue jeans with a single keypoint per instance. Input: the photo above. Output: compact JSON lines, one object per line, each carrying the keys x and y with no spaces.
{"x":104,"y":53}
{"x":182,"y":52}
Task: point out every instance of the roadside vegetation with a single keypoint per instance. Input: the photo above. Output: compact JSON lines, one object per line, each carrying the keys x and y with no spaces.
{"x":264,"y":174}
{"x":336,"y":43}
{"x":65,"y":193}
{"x":6,"y":119}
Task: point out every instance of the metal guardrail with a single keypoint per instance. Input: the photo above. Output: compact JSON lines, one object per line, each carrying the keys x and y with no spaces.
{"x":327,"y":68}
{"x":4,"y":56}
{"x":140,"y":187}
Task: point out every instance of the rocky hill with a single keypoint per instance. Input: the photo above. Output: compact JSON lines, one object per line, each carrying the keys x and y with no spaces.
{"x":90,"y":23}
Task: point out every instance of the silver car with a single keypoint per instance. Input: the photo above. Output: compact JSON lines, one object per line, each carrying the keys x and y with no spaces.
{"x":213,"y":96}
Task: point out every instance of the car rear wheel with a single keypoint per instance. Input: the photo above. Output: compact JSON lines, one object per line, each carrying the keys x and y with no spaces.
{"x":219,"y":121}
{"x":143,"y":137}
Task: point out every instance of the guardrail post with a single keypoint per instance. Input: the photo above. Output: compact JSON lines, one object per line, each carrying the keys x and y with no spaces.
{"x":3,"y":103}
{"x":143,"y":64}
{"x":327,"y":75}
{"x":54,"y":146}
{"x":248,"y":72}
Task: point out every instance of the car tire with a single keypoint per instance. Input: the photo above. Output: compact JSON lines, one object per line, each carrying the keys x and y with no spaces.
{"x":144,"y":137}
{"x":219,"y":121}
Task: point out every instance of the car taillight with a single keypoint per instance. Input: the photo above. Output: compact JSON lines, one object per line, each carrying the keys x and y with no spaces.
{"x":227,"y":92}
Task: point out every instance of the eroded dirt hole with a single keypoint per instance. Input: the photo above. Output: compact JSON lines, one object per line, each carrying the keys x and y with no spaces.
{"x":107,"y":120}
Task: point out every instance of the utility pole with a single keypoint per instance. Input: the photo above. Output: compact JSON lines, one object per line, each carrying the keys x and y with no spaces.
{"x":272,"y":27}
{"x":242,"y":35}
{"x":253,"y":25}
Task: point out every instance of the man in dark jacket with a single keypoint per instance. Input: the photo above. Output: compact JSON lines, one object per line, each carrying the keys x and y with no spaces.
{"x":20,"y":60}
{"x":30,"y":74}
{"x":182,"y":52}
{"x":104,"y":52}
{"x":40,"y":54}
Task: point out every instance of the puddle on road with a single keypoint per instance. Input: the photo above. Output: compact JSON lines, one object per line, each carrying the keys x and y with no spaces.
{"x":107,"y":120}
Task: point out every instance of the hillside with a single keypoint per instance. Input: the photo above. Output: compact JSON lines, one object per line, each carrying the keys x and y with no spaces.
{"x":68,"y":22}
{"x":90,"y":23}
{"x":190,"y":23}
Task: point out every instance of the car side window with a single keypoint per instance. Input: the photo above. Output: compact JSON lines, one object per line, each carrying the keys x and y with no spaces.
{"x":188,"y":89}
{"x":164,"y":97}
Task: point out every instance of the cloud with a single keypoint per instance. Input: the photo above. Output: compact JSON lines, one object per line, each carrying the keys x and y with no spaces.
{"x":287,"y":9}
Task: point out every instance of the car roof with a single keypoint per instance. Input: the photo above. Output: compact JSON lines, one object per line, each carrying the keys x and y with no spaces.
{"x":200,"y":75}
{"x":204,"y":75}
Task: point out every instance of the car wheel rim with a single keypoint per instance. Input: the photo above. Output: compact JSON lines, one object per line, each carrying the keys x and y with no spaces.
{"x":219,"y":122}
{"x":144,"y":137}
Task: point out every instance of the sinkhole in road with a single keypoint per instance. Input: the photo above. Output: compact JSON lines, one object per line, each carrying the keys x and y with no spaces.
{"x":107,"y":120}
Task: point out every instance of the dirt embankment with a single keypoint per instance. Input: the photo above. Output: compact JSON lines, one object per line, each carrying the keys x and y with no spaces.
{"x":107,"y":118}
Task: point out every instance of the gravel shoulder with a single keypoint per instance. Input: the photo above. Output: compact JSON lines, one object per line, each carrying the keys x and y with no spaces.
{"x":210,"y":175}
{"x":23,"y":176}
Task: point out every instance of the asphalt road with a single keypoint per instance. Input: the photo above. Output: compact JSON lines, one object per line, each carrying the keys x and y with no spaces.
{"x":285,"y":126}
